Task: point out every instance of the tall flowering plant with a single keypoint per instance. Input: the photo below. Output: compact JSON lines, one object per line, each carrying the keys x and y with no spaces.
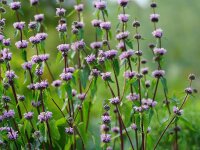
{"x":56,"y":112}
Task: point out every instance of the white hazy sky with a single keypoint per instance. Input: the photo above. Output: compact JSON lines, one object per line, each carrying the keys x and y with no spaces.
{"x":142,"y":3}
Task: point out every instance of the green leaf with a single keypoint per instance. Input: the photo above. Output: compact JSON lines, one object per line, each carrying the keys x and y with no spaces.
{"x":137,"y":120}
{"x":151,"y":113}
{"x":71,"y":13}
{"x":164,"y":84}
{"x":110,"y":34}
{"x":116,"y":66}
{"x":129,"y":43}
{"x":16,"y":33}
{"x":55,"y":134}
{"x":117,"y":25}
{"x":60,"y":122}
{"x":145,"y":121}
{"x":106,"y":12}
{"x":96,"y":13}
{"x":93,"y":88}
{"x":1,"y":90}
{"x":20,"y":11}
{"x":25,"y":76}
{"x":27,"y":128}
{"x":25,"y":33}
{"x":43,"y":130}
{"x":135,"y":85}
{"x":80,"y":34}
{"x":59,"y":57}
{"x":99,"y":32}
{"x":187,"y":123}
{"x":69,"y":90}
{"x":84,"y":74}
{"x":24,"y":55}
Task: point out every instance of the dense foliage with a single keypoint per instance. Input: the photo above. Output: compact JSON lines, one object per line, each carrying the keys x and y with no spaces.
{"x":56,"y":113}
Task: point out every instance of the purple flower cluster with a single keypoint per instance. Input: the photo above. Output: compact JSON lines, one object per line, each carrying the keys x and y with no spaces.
{"x":154,"y":17}
{"x":41,"y":85}
{"x":78,"y":45}
{"x":96,"y":23}
{"x":90,"y":59}
{"x":158,"y":33}
{"x":19,"y":25}
{"x":106,"y":76}
{"x":132,"y":97}
{"x":177,"y":111}
{"x":100,"y":59}
{"x":69,"y":130}
{"x":159,"y":51}
{"x":21,"y":44}
{"x":28,"y":115}
{"x":105,"y":25}
{"x":146,"y":105}
{"x":6,"y":42}
{"x":66,"y":76}
{"x":123,"y":3}
{"x":44,"y":116}
{"x":123,"y":17}
{"x":62,"y":27}
{"x":60,"y":12}
{"x":12,"y":135}
{"x":96,"y":45}
{"x":122,"y":35}
{"x":101,"y":5}
{"x":27,"y":65}
{"x":127,"y":54}
{"x":40,"y":58}
{"x":56,"y":83}
{"x":34,"y":2}
{"x":8,"y":114}
{"x":5,"y":54}
{"x":158,"y":73}
{"x":115,"y":100}
{"x":38,"y":38}
{"x":81,"y":96}
{"x":10,"y":75}
{"x":79,"y":7}
{"x":32,"y":25}
{"x":64,"y":48}
{"x":15,"y":5}
{"x":105,"y":138}
{"x":129,"y":74}
{"x":39,"y":17}
{"x":106,"y":119}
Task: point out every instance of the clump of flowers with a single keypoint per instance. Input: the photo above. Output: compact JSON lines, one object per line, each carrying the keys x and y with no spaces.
{"x":36,"y":113}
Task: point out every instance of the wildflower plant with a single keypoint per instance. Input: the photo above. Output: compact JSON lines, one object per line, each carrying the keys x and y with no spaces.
{"x":55,"y":112}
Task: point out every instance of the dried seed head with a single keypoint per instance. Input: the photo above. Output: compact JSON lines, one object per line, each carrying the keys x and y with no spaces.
{"x":195,"y":90}
{"x":177,"y":128}
{"x":143,"y":61}
{"x":152,"y":46}
{"x":136,"y":24}
{"x":191,"y":77}
{"x":21,"y":97}
{"x":189,"y":90}
{"x":138,"y":53}
{"x":4,"y":2}
{"x":137,"y":36}
{"x":153,"y":5}
{"x":2,"y":10}
{"x":6,"y":85}
{"x":106,"y":107}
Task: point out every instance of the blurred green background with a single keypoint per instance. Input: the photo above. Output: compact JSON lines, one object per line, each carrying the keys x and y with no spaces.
{"x":180,"y":21}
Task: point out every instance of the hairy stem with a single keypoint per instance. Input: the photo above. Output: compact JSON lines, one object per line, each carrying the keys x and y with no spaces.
{"x":160,"y":137}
